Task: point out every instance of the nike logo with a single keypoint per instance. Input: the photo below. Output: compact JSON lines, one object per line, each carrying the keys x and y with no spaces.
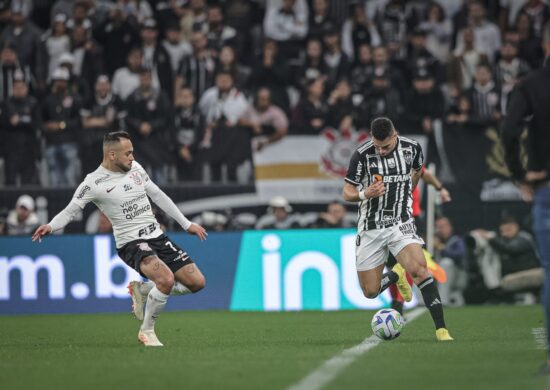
{"x":110,"y":189}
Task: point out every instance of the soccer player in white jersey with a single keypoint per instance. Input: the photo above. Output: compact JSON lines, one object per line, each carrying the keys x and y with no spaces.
{"x":119,"y":188}
{"x":381,"y":175}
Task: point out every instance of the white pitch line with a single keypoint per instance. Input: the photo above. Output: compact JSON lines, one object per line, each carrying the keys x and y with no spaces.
{"x":327,"y":371}
{"x":540,"y":338}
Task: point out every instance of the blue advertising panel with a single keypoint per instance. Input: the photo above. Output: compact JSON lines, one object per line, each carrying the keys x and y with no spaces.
{"x":78,"y":273}
{"x":280,"y":270}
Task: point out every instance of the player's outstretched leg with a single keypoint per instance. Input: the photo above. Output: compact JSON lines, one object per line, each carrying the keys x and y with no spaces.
{"x":154,"y":269}
{"x":412,"y":259}
{"x":373,"y":282}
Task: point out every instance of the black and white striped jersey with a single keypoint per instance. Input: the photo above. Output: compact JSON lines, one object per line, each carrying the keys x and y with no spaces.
{"x":366,"y":166}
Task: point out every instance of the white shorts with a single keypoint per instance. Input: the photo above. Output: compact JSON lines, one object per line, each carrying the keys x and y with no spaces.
{"x":373,"y":246}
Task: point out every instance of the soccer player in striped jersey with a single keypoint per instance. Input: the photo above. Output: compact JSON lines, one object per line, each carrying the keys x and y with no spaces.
{"x":381,"y":176}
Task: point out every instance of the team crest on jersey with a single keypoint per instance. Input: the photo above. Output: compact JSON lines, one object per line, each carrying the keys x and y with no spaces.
{"x":144,"y":246}
{"x":137,"y":178}
{"x":342,"y":145}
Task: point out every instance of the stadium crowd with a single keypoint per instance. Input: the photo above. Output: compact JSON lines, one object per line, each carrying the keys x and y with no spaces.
{"x":194,"y":81}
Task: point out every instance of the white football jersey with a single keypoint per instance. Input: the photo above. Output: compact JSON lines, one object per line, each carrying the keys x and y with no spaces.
{"x":122,"y":197}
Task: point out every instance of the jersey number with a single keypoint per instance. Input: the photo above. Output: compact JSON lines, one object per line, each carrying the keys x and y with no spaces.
{"x":168,"y":243}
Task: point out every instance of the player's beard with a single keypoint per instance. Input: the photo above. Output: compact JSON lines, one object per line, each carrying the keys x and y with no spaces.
{"x":124,"y":167}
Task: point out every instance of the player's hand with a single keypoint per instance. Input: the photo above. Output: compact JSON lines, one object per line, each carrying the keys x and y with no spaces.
{"x":198,"y":231}
{"x":375,"y":190}
{"x":445,"y":195}
{"x":41,"y":231}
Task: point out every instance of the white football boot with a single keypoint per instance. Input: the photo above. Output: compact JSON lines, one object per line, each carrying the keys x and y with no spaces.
{"x":149,"y":338}
{"x":138,"y":299}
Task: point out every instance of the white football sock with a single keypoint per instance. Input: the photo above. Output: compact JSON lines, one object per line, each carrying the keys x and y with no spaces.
{"x":156,"y":300}
{"x":178,"y":289}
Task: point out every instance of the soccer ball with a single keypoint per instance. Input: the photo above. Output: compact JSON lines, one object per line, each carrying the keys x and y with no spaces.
{"x":387,"y":324}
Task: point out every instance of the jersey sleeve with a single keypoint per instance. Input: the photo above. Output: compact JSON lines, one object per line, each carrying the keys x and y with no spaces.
{"x":356,"y":170}
{"x":418,"y":159}
{"x":84,"y":194}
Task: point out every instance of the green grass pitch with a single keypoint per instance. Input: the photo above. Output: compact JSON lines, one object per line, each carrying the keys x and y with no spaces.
{"x":494,"y":349}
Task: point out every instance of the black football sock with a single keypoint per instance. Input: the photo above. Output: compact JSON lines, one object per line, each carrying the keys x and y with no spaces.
{"x":388,"y":279}
{"x":430,"y":294}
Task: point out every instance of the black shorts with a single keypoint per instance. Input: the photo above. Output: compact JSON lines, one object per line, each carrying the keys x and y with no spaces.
{"x":168,"y":251}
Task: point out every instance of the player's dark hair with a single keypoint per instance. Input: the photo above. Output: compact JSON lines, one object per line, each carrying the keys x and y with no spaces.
{"x":381,"y":128}
{"x":506,"y":219}
{"x":115,"y":136}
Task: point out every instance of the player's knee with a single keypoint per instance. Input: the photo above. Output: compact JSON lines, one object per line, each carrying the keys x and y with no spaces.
{"x":198,"y":284}
{"x":165,"y":282}
{"x":369,"y":293}
{"x":419,"y":272}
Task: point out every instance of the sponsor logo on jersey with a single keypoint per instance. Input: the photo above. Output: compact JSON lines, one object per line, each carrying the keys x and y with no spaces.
{"x":110,"y":189}
{"x":407,"y":155}
{"x":127,"y":187}
{"x":391,"y":162}
{"x":396,"y":178}
{"x":101,"y":179}
{"x":83,"y":191}
{"x":373,"y":164}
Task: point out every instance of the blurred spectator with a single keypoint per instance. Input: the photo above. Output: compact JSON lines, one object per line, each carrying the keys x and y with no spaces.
{"x":101,"y":114}
{"x":188,"y":126}
{"x":310,"y":115}
{"x":117,"y":34}
{"x":197,"y":70}
{"x":3,"y":223}
{"x":156,"y":58}
{"x":340,"y":104}
{"x":486,"y":34}
{"x":463,"y":62}
{"x":362,"y":70}
{"x":529,"y":46}
{"x":286,"y":22}
{"x":382,"y":66}
{"x":392,"y":25}
{"x":176,"y":47}
{"x":270,"y":121}
{"x":56,"y":41}
{"x":225,"y":142}
{"x":450,"y":250}
{"x":485,"y":97}
{"x":438,"y":30}
{"x":88,"y":54}
{"x":271,"y":71}
{"x":382,"y":98}
{"x":313,"y":64}
{"x":460,"y":113}
{"x":148,"y":121}
{"x":512,"y":252}
{"x":318,"y":19}
{"x":126,"y":80}
{"x":77,"y":84}
{"x":227,"y":62}
{"x":358,"y":30}
{"x":334,"y":217}
{"x":61,"y":128}
{"x":539,"y":13}
{"x":10,"y":65}
{"x":337,"y":63}
{"x":217,"y":33}
{"x":20,"y":120}
{"x":508,"y":70}
{"x":22,"y":220}
{"x":193,"y":20}
{"x":424,"y":105}
{"x":212,"y":221}
{"x":25,"y":37}
{"x":419,"y":57}
{"x":278,"y":216}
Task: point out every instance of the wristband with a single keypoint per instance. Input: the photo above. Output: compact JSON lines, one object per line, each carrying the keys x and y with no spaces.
{"x":362,"y":195}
